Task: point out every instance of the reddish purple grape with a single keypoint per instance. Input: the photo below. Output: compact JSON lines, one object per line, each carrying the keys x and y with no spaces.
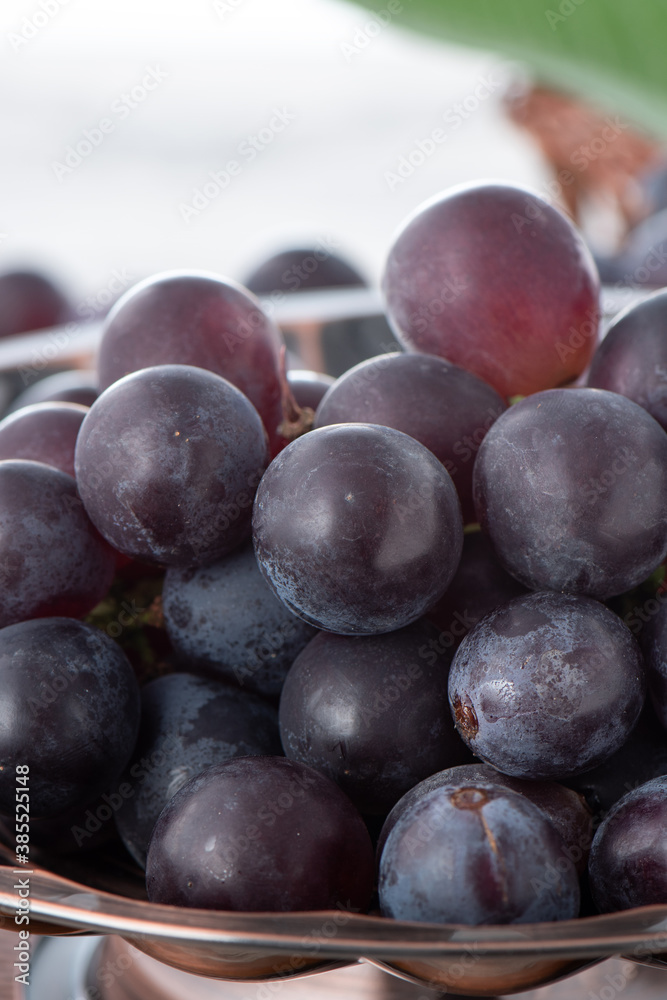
{"x":260,"y":833}
{"x":167,"y":463}
{"x":547,"y":686}
{"x":475,"y":854}
{"x":44,"y":432}
{"x":370,"y":713}
{"x":357,"y":528}
{"x":446,"y":408}
{"x":571,"y":486}
{"x":202,"y":320}
{"x":70,"y":711}
{"x":632,"y":358}
{"x":52,"y":559}
{"x":30,"y":301}
{"x":496,"y":280}
{"x":628,"y":862}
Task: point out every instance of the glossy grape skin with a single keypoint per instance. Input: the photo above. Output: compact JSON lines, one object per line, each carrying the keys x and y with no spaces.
{"x":445,"y":407}
{"x":167,"y":464}
{"x":476,"y":854}
{"x":260,"y":833}
{"x":497,"y":281}
{"x":30,"y":301}
{"x":371,"y":713}
{"x":632,"y":358}
{"x":357,"y":528}
{"x":565,"y":809}
{"x":225,"y":621}
{"x":200,"y":319}
{"x":628,"y":862}
{"x":479,"y":585}
{"x":44,"y":432}
{"x":64,"y":387}
{"x":70,"y":712}
{"x":308,"y":387}
{"x":571,"y":486}
{"x":187,"y":724}
{"x":547,"y":686}
{"x":52,"y":560}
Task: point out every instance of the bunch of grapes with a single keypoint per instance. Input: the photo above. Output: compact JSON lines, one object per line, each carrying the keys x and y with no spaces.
{"x":350,"y":659}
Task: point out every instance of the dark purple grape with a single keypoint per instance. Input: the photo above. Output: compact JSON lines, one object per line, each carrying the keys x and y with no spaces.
{"x":357,"y":528}
{"x":476,"y":854}
{"x":632,"y":358}
{"x":52,"y":560}
{"x":547,"y":686}
{"x":187,"y":724}
{"x":301,"y":269}
{"x":628,"y":862}
{"x":496,"y":280}
{"x":225,"y":621}
{"x":260,"y":833}
{"x":564,"y":808}
{"x":30,"y":301}
{"x":641,"y":262}
{"x":197,"y":319}
{"x":643,"y":756}
{"x":63,"y":387}
{"x":167,"y":464}
{"x":45,"y":432}
{"x":371,"y":713}
{"x":654,"y":644}
{"x":479,"y":585}
{"x":70,"y":711}
{"x":571,"y":485}
{"x":308,"y":387}
{"x":446,"y":408}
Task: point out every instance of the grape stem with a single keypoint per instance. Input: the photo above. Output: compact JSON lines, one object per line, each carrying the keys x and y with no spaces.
{"x":297,"y":420}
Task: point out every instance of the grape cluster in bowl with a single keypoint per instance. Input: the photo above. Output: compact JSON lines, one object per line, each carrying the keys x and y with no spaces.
{"x":351,"y":660}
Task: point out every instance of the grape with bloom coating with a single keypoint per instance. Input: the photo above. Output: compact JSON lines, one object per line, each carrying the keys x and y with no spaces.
{"x":357,"y":528}
{"x":200,"y":319}
{"x":571,"y":486}
{"x":167,"y":464}
{"x":547,"y":686}
{"x":476,"y":854}
{"x":52,"y":559}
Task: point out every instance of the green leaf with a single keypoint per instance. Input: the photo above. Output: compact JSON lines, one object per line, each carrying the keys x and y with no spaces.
{"x":609,"y":51}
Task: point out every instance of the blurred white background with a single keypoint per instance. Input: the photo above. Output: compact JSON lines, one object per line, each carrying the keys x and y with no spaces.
{"x":170,"y":92}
